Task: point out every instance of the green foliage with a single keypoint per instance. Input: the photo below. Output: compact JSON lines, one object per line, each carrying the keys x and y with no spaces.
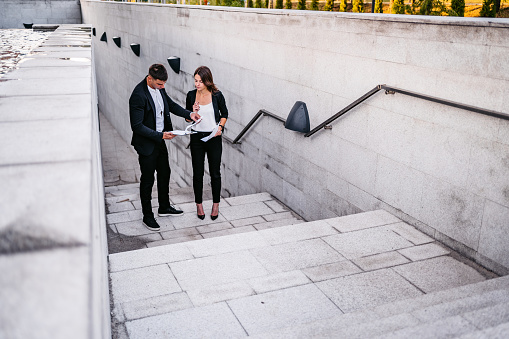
{"x":258,"y":3}
{"x":357,"y":6}
{"x":430,"y":7}
{"x":279,"y":4}
{"x":458,"y":6}
{"x":329,"y":6}
{"x":288,"y":4}
{"x":301,"y":5}
{"x":343,"y":5}
{"x":266,"y":4}
{"x":488,"y":9}
{"x":378,"y":6}
{"x":314,"y":5}
{"x":250,"y":3}
{"x":398,"y":7}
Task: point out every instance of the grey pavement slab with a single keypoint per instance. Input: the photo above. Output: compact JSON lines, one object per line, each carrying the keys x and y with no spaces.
{"x":216,"y":270}
{"x":245,"y":211}
{"x":42,"y":87}
{"x":360,"y":221}
{"x":214,"y":227}
{"x":48,"y":72}
{"x":425,"y":251}
{"x":498,"y":332}
{"x":297,"y":232}
{"x":297,"y":255}
{"x":278,"y":281}
{"x":54,"y":62}
{"x":278,"y":216}
{"x":276,"y":206}
{"x":330,"y":271}
{"x":134,"y":228}
{"x":276,"y":223}
{"x":247,"y":221}
{"x":48,"y":107}
{"x":367,"y":242}
{"x":142,"y":283}
{"x":368,"y":289}
{"x":490,"y":316}
{"x":229,"y":231}
{"x":179,"y":233}
{"x":232,"y":243}
{"x":248,"y":199}
{"x":439,"y":274}
{"x":218,"y":293}
{"x":161,"y":304}
{"x":410,"y":233}
{"x":191,"y":220}
{"x":382,"y":260}
{"x":49,"y":141}
{"x":185,"y":238}
{"x":213,"y":321}
{"x":287,"y":307}
{"x":148,"y":257}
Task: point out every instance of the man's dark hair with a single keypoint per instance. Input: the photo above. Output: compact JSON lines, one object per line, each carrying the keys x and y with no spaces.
{"x":158,"y":72}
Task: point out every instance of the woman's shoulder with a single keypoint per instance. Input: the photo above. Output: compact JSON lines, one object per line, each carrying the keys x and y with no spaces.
{"x":218,"y":94}
{"x":192,"y":92}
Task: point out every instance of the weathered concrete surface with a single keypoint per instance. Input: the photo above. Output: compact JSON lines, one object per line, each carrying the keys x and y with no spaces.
{"x":441,"y":169}
{"x":54,"y":281}
{"x":17,"y":12}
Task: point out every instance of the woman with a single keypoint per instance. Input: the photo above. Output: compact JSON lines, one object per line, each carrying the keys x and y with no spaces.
{"x":209,"y":101}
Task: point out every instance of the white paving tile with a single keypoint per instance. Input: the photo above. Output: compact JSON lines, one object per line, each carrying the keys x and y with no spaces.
{"x":364,"y":220}
{"x":217,"y":293}
{"x":276,"y":206}
{"x":382,"y":260}
{"x":157,"y":305}
{"x":425,"y":251}
{"x":410,"y":233}
{"x":247,"y":199}
{"x":245,"y":211}
{"x":297,"y":232}
{"x":278,"y":281}
{"x":230,"y":243}
{"x":331,"y":271}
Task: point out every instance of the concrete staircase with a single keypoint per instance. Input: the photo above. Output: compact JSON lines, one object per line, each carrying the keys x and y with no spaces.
{"x":360,"y":276}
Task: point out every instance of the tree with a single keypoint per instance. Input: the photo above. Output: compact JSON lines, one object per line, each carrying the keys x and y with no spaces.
{"x":458,"y":6}
{"x":314,"y":5}
{"x":288,"y":4}
{"x":279,"y":4}
{"x":250,"y":3}
{"x":258,"y":3}
{"x":398,"y":7}
{"x":358,"y":6}
{"x":379,"y":6}
{"x":488,"y":9}
{"x":329,"y":6}
{"x":301,"y":5}
{"x":343,"y":6}
{"x":266,"y":4}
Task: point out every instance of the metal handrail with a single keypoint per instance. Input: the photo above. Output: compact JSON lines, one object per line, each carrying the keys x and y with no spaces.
{"x":388,"y":90}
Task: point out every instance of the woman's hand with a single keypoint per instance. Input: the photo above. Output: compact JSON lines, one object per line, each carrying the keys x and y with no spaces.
{"x":196,"y":107}
{"x":219,"y":131}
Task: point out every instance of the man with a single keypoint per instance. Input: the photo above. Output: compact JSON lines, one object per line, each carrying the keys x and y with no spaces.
{"x":149,"y":110}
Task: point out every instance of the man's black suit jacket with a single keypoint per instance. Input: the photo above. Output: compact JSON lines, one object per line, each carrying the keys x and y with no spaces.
{"x":142,"y":113}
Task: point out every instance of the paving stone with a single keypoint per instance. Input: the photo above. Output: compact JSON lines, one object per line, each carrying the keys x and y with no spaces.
{"x":179,"y":233}
{"x":298,"y":255}
{"x":230,"y":243}
{"x":245,"y":211}
{"x":120,"y":207}
{"x":425,"y":251}
{"x":367,"y":242}
{"x":276,"y":206}
{"x":136,"y":228}
{"x":438,"y":274}
{"x":247,"y":221}
{"x":278,"y":216}
{"x":368,"y":289}
{"x":364,"y":220}
{"x":464,"y":305}
{"x":287,"y":307}
{"x":157,"y":305}
{"x":216,"y":270}
{"x":217,"y":293}
{"x":235,"y":230}
{"x":277,"y":223}
{"x":410,"y":233}
{"x":248,"y":199}
{"x":331,"y":271}
{"x":497,"y":332}
{"x":489,"y":316}
{"x":191,"y":220}
{"x":278,"y":281}
{"x":382,"y":260}
{"x":214,"y":227}
{"x":142,"y":283}
{"x":115,"y":218}
{"x":297,"y":232}
{"x":174,"y":240}
{"x":148,"y":257}
{"x":445,"y":328}
{"x":213,"y":321}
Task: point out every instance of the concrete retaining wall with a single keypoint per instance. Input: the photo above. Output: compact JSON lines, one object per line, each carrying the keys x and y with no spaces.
{"x":17,"y":12}
{"x":442,"y":169}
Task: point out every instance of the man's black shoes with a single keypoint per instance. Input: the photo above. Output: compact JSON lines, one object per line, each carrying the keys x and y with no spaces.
{"x":170,"y":211}
{"x":151,"y":224}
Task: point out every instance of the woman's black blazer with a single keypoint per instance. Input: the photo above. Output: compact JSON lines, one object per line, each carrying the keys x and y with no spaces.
{"x":218,"y":102}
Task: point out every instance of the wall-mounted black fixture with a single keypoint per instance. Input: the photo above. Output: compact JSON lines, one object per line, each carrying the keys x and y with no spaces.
{"x":298,"y":119}
{"x":136,"y":49}
{"x":117,"y":41}
{"x":93,"y":31}
{"x":174,"y":63}
{"x":103,"y":37}
{"x":28,"y":25}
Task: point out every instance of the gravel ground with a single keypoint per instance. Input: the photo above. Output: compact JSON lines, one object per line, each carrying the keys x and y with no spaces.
{"x":15,"y":44}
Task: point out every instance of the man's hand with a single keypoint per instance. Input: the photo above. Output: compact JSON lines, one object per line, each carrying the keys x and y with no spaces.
{"x":168,"y":135}
{"x":195,"y":116}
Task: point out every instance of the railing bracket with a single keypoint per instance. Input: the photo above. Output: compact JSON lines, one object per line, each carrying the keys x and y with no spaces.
{"x":389,"y":92}
{"x":327,"y":127}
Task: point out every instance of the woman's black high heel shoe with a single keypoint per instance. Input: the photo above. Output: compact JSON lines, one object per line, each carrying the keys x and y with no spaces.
{"x":200,"y":216}
{"x":214,"y":217}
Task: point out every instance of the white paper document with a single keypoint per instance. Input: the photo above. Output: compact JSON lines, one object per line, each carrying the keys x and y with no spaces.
{"x":187,"y":131}
{"x":211,"y":135}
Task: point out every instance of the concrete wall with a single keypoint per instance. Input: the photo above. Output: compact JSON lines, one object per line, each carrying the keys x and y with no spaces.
{"x":53,"y":248}
{"x":442,"y":169}
{"x":16,"y":12}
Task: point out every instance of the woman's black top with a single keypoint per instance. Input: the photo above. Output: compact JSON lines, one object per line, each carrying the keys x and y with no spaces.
{"x":218,"y":102}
